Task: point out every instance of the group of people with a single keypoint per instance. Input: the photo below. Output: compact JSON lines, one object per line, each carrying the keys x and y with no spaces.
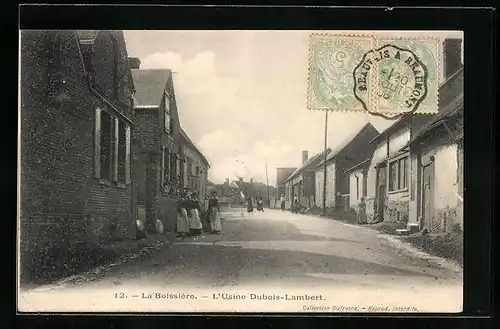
{"x":191,"y":213}
{"x":295,"y":204}
{"x":259,"y":202}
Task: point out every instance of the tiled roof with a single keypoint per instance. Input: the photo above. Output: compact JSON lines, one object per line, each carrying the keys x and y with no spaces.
{"x":346,"y":142}
{"x":309,"y":164}
{"x":193,"y":145}
{"x":150,"y":85}
{"x":360,"y":165}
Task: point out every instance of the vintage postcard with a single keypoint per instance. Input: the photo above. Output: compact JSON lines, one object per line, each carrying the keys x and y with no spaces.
{"x":240,"y":171}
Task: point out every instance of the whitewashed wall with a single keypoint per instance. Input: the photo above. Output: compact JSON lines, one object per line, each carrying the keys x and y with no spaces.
{"x":330,"y":185}
{"x":354,"y":198}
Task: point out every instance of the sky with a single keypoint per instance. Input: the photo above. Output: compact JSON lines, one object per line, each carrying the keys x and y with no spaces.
{"x":242,"y":97}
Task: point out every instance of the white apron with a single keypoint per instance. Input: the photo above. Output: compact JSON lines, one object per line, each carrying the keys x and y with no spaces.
{"x":182,"y":221}
{"x":215,"y":220}
{"x":195,"y":222}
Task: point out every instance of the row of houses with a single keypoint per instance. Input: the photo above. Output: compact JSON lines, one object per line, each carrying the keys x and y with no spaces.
{"x":412,"y":172}
{"x":230,"y":192}
{"x":101,"y":143}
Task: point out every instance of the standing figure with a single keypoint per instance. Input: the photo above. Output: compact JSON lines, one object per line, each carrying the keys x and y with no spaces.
{"x":296,"y":205}
{"x":282,"y":200}
{"x":182,"y":224}
{"x":362,"y":212}
{"x":195,"y":225}
{"x":260,"y":204}
{"x":214,"y":211}
{"x":249,"y":204}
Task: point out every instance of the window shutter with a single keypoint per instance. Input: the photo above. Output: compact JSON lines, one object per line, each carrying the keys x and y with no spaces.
{"x":114,"y":149}
{"x":162,"y":174}
{"x":127,"y":154}
{"x":97,"y":143}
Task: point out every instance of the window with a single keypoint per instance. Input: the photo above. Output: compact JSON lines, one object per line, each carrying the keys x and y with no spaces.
{"x":197,"y":171}
{"x":165,"y":170}
{"x":357,"y":187}
{"x":190,"y":168}
{"x":111,"y":148}
{"x":393,"y":174}
{"x":398,"y":174}
{"x":167,"y":113}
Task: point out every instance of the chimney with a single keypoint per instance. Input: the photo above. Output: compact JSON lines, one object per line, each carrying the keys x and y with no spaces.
{"x":452,"y":49}
{"x":251,"y":180}
{"x":305,"y":156}
{"x":134,"y":62}
{"x":240,"y":179}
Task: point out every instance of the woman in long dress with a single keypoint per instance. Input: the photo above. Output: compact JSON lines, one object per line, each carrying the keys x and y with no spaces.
{"x":362,"y":212}
{"x":182,"y":226}
{"x":249,"y":205}
{"x":214,"y":211}
{"x":195,"y":225}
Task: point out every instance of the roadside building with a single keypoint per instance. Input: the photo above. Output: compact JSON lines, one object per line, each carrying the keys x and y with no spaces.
{"x":437,"y":154}
{"x":354,"y":149}
{"x":76,"y":119}
{"x":387,"y":196}
{"x":157,"y":148}
{"x":195,"y":167}
{"x":281,"y":175}
{"x":301,"y":183}
{"x":357,"y":183}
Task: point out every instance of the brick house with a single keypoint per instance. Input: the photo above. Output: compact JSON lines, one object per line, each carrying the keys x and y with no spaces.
{"x":76,"y":118}
{"x":195,"y":167}
{"x":436,"y":150}
{"x":301,"y":182}
{"x":156,"y":146}
{"x":353,"y":150}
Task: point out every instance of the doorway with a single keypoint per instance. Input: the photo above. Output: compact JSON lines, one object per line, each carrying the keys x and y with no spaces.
{"x":381,"y":192}
{"x":427,"y":194}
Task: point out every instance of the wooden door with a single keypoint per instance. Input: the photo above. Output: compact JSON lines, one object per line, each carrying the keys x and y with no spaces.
{"x":381,"y":191}
{"x":427,"y":194}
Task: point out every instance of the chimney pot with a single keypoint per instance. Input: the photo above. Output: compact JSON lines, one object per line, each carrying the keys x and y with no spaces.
{"x":452,"y":49}
{"x":305,"y":156}
{"x":134,"y":62}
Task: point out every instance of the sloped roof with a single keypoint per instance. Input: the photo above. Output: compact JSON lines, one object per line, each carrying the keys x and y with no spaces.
{"x":399,"y":123}
{"x":347,"y":141}
{"x":150,"y":85}
{"x":193,"y":145}
{"x":310,"y":163}
{"x":362,"y":164}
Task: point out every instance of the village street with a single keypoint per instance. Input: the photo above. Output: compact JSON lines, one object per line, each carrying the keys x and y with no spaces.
{"x":275,"y":250}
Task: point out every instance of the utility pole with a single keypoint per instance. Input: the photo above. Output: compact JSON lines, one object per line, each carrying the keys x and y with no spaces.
{"x":324,"y":163}
{"x":268,"y":194}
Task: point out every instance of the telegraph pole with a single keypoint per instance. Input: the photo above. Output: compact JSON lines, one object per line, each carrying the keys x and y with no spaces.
{"x":268,"y":194}
{"x":324,"y":163}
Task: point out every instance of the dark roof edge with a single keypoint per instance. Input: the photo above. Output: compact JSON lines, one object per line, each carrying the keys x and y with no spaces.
{"x":306,"y":165}
{"x":358,"y":166}
{"x":190,"y":142}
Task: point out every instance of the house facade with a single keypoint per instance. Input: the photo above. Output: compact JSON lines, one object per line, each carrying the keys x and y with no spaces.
{"x":281,"y":175}
{"x":387,"y":195}
{"x":302,"y":182}
{"x":157,"y":147}
{"x":353,"y":150}
{"x":76,"y":119}
{"x":195,"y":167}
{"x":437,"y":155}
{"x":416,"y":172}
{"x":357,"y":183}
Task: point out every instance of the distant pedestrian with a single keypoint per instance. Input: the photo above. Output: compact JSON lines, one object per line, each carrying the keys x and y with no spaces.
{"x":249,"y":204}
{"x":260,"y":204}
{"x":282,"y":200}
{"x":214,"y":212}
{"x":296,"y":205}
{"x":362,"y":212}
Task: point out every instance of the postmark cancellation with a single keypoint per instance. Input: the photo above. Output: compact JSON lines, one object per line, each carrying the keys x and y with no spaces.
{"x":387,"y":76}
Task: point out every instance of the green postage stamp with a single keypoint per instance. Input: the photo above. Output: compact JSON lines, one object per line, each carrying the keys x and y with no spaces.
{"x":381,"y":74}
